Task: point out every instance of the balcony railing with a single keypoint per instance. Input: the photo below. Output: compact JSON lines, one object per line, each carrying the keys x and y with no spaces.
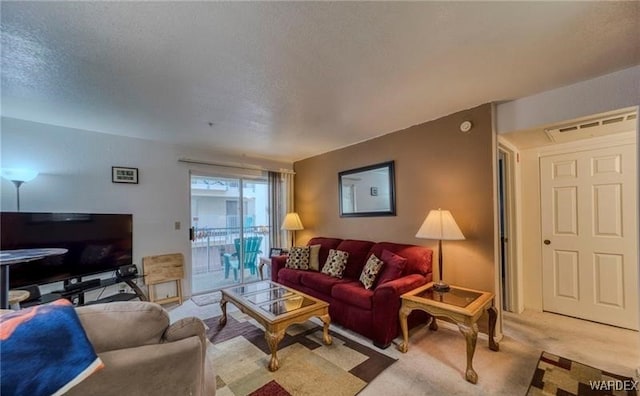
{"x":211,"y":243}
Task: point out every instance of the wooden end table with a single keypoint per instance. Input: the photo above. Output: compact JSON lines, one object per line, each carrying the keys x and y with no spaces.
{"x":275,"y":307}
{"x":463,"y":306}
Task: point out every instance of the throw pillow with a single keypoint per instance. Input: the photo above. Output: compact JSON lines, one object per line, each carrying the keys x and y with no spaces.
{"x":45,"y":350}
{"x":314,"y":262}
{"x":393,"y":267}
{"x":298,"y":258}
{"x":336,"y":263}
{"x":370,"y":271}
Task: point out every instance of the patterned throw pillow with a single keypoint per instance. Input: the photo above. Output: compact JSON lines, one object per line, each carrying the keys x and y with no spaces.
{"x":298,"y":258}
{"x":336,"y":263}
{"x":370,"y":271}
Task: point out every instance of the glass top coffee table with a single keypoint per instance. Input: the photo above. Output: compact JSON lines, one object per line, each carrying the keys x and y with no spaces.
{"x":275,"y":307}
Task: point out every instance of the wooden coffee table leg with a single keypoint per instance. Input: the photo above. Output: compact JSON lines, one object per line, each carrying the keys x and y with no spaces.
{"x":471,"y":335}
{"x":223,"y":318}
{"x":493,"y":316}
{"x":326,"y":337}
{"x":404,"y":346}
{"x":273,"y":339}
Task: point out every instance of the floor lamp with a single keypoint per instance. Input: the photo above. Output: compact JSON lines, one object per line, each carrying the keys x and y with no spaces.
{"x":440,"y":225}
{"x":292,"y":223}
{"x":17,"y":177}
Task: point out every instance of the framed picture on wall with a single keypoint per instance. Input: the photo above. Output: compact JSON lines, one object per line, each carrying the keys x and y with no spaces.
{"x":368,"y":191}
{"x":120,"y":174}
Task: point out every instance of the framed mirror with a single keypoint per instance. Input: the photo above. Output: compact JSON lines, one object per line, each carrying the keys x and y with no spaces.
{"x":368,"y":191}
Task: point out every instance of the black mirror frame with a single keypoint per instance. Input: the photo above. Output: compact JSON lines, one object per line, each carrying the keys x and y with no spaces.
{"x":390,"y":165}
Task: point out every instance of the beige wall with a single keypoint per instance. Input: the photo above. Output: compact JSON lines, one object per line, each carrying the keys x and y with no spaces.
{"x":436,"y":166}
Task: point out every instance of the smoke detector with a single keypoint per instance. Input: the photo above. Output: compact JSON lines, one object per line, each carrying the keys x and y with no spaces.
{"x":466,"y":126}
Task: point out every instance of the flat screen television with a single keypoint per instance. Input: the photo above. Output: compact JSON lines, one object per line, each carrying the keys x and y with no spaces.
{"x":96,"y":243}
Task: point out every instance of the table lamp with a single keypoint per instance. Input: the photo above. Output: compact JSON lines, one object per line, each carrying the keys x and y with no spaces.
{"x":18,"y":176}
{"x":440,"y":225}
{"x":292,"y":223}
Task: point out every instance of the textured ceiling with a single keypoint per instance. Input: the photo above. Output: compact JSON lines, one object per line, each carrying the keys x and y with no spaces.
{"x":287,"y":81}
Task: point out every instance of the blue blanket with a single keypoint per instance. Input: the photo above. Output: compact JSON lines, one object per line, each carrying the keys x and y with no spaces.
{"x":44,"y":351}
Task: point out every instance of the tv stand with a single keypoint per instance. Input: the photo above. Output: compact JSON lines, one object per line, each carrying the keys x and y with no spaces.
{"x":69,"y":287}
{"x":73,"y":291}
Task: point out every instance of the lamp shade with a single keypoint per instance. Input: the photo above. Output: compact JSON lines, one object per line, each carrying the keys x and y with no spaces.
{"x":18,"y":174}
{"x":440,"y":224}
{"x":292,"y":222}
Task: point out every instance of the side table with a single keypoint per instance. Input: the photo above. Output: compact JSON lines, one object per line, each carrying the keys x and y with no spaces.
{"x":463,"y":306}
{"x":10,"y":257}
{"x":16,"y":297}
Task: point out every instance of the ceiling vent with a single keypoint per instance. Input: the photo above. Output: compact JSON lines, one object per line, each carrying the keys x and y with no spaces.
{"x":585,"y":129}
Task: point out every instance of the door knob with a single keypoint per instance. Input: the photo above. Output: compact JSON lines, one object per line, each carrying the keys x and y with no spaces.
{"x":547,"y":242}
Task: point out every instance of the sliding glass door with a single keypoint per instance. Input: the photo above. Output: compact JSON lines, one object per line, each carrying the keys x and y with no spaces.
{"x":230,"y":223}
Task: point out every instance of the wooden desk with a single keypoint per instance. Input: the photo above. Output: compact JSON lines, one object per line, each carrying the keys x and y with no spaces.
{"x":463,"y":306}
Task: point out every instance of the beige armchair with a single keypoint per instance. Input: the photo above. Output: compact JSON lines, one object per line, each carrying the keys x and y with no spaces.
{"x":143,"y":354}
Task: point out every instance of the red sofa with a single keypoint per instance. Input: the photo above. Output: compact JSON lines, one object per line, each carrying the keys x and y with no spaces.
{"x":372,"y":313}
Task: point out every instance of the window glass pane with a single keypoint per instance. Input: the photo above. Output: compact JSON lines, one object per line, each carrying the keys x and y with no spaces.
{"x":229,"y":237}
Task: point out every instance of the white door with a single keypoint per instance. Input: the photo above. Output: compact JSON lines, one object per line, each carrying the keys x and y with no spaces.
{"x":589,"y":220}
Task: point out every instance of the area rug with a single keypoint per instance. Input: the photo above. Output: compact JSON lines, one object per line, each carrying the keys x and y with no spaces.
{"x":556,"y":375}
{"x":206,"y":299}
{"x":307,"y":366}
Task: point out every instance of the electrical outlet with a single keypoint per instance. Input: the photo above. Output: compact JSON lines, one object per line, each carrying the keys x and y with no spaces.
{"x":176,"y":225}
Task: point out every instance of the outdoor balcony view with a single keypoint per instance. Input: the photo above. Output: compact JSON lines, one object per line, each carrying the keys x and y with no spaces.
{"x":228,"y":238}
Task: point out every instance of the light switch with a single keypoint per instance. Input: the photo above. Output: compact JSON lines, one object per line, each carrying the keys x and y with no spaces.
{"x":176,"y":225}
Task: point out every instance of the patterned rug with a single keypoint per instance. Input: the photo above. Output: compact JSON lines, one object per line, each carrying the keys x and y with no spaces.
{"x":556,"y":375}
{"x":307,"y":366}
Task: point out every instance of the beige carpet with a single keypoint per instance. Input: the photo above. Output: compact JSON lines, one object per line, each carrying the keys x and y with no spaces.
{"x":435,"y":362}
{"x":206,"y":299}
{"x":308,"y":367}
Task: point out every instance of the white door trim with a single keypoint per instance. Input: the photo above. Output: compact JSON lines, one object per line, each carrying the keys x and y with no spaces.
{"x":588,"y":144}
{"x":513,"y":207}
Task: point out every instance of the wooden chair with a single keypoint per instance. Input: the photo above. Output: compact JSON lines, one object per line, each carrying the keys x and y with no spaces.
{"x":163,"y":269}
